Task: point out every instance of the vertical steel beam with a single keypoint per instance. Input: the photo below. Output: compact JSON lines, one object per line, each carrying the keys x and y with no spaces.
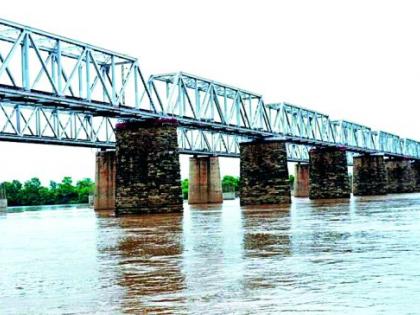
{"x":25,"y":63}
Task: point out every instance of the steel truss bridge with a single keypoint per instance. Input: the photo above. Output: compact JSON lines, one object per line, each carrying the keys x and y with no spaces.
{"x":55,"y":90}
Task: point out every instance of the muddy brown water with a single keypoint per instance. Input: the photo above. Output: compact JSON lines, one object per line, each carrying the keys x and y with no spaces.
{"x":360,"y":256}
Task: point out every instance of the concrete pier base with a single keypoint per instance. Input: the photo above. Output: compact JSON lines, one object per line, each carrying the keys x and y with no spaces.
{"x":301,"y":184}
{"x":401,"y":176}
{"x":3,"y":204}
{"x":263,"y":172}
{"x":104,"y":198}
{"x":369,"y":175}
{"x":328,"y":174}
{"x":148,"y":172}
{"x":205,"y":185}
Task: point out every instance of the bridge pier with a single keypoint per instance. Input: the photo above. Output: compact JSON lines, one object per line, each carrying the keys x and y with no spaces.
{"x":401,"y":175}
{"x":148,"y":173}
{"x":328,"y":173}
{"x":369,"y":175}
{"x":3,"y":198}
{"x":301,"y":184}
{"x":3,"y":204}
{"x":105,"y":180}
{"x":263,"y":172}
{"x":205,"y":185}
{"x":416,"y":167}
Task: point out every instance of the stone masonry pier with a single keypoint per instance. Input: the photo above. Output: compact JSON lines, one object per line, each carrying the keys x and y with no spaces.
{"x":328,"y":174}
{"x":205,"y":185}
{"x":369,"y":175}
{"x":301,"y":184}
{"x":263,"y":172}
{"x":148,"y":170}
{"x":105,"y":181}
{"x":401,"y":175}
{"x":416,"y":168}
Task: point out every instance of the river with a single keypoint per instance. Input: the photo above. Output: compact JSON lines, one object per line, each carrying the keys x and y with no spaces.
{"x":348,"y":257}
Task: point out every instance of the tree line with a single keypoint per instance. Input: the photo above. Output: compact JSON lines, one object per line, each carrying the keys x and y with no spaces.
{"x":229,"y":184}
{"x":32,"y":193}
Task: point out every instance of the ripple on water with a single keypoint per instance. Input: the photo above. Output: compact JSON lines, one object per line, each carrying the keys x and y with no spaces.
{"x":346,"y":257}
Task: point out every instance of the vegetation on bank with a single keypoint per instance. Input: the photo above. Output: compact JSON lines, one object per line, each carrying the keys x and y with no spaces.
{"x":2,"y":192}
{"x":291,"y":180}
{"x":229,"y":184}
{"x":32,"y":193}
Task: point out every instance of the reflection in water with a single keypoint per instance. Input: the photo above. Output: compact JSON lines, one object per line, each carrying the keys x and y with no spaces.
{"x":147,"y":255}
{"x":345,"y":257}
{"x":213,"y":255}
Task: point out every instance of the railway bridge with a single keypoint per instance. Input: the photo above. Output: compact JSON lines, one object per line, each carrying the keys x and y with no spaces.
{"x":56,"y":90}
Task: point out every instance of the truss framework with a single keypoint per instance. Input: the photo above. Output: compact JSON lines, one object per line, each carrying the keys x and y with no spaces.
{"x":39,"y":67}
{"x":228,"y":108}
{"x":35,"y":124}
{"x":53,"y":74}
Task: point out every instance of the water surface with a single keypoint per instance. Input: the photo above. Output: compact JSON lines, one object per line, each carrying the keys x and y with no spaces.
{"x":347,"y":257}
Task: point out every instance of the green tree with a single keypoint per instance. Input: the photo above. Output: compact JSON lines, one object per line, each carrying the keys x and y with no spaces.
{"x":66,"y":192}
{"x":13,"y":192}
{"x":291,"y":180}
{"x":2,"y":191}
{"x":33,"y":193}
{"x":230,"y":183}
{"x":84,"y":188}
{"x":30,"y":194}
{"x":46,"y":196}
{"x":184,"y":186}
{"x":53,"y":191}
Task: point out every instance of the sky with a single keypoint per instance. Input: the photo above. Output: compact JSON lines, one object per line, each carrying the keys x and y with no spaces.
{"x":353,"y":60}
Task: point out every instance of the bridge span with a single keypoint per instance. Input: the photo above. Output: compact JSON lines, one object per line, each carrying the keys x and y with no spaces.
{"x":56,"y":90}
{"x":61,"y":91}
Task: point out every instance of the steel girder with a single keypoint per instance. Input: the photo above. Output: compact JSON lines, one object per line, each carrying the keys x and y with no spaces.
{"x":42,"y":68}
{"x":37,"y":124}
{"x":56,"y":73}
{"x":233,"y":109}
